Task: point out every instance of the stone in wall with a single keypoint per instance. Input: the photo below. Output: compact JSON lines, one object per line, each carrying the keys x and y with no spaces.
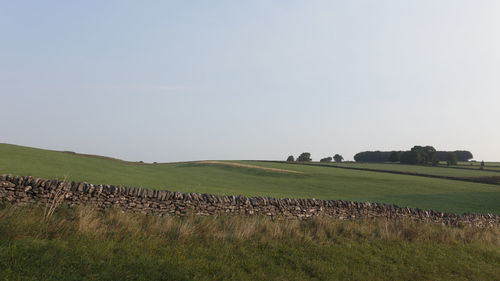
{"x":161,"y":202}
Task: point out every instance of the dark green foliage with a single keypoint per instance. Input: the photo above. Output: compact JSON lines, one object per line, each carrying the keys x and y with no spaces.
{"x":372,"y":156}
{"x":462,"y":155}
{"x":410,"y":157}
{"x":420,"y":155}
{"x":304,"y":157}
{"x":326,"y":159}
{"x":395,"y":156}
{"x":426,"y":154}
{"x":452,"y":159}
{"x":338,"y":158}
{"x":391,"y":156}
{"x":290,"y":159}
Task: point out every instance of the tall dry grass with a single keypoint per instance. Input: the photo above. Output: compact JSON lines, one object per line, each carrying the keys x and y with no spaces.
{"x":19,"y":221}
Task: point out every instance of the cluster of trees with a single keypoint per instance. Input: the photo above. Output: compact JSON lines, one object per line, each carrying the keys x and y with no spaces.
{"x":462,"y":155}
{"x":375,"y":156}
{"x":424,"y":155}
{"x":420,"y":155}
{"x":326,"y":159}
{"x":306,"y":157}
{"x":417,"y":155}
{"x":337,"y":158}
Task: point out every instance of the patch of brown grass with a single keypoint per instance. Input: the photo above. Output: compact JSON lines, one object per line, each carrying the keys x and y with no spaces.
{"x":233,"y":164}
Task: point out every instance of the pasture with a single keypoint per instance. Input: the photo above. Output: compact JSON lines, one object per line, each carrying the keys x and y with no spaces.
{"x":84,"y":244}
{"x":282,"y":180}
{"x":454,"y":171}
{"x":488,"y":166}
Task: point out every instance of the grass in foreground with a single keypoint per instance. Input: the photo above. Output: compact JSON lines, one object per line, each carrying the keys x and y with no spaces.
{"x":82,"y":244}
{"x":309,"y":182}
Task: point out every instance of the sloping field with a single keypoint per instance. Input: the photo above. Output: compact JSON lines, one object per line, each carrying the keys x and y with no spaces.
{"x":315,"y":182}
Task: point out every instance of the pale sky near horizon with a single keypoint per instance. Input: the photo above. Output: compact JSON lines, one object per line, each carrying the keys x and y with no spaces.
{"x":190,"y":80}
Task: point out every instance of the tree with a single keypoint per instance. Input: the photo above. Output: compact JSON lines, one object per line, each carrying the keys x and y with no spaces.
{"x":425,"y":154}
{"x":463,"y":155}
{"x":372,"y":156}
{"x":452,"y":159}
{"x":304,"y":157}
{"x":409,"y":157}
{"x":429,"y":155}
{"x":482,"y":165}
{"x":338,"y":158}
{"x":385,"y":156}
{"x":395,"y":156}
{"x":290,"y":159}
{"x":420,"y":155}
{"x":326,"y":160}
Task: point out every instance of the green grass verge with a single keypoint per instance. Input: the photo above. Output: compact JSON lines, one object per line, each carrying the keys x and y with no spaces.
{"x":82,"y":244}
{"x":316,"y":182}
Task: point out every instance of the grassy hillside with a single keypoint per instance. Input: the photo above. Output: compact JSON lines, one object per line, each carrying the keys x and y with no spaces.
{"x":82,"y":244}
{"x":315,"y":182}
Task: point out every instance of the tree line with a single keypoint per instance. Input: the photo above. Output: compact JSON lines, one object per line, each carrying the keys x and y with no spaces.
{"x":306,"y":157}
{"x":417,"y":155}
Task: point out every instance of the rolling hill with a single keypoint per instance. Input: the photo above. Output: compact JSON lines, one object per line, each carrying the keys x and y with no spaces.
{"x":272,"y":179}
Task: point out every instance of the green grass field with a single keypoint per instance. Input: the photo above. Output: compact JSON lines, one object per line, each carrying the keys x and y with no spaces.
{"x":493,"y":166}
{"x":84,"y":244}
{"x":316,"y":182}
{"x":471,"y":172}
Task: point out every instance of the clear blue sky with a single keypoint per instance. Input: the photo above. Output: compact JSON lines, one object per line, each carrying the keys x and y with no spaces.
{"x":190,"y":80}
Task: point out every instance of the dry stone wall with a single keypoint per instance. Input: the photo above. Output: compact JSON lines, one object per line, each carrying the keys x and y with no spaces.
{"x":17,"y":189}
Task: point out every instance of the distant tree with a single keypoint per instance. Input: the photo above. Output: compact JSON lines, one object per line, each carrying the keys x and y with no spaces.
{"x":463,"y":155}
{"x":452,"y":159}
{"x":420,"y":155}
{"x":409,"y":157}
{"x":338,"y":158}
{"x":372,"y":156}
{"x":290,"y":159}
{"x":395,"y":156}
{"x":482,"y":165}
{"x":304,"y":157}
{"x":430,"y":155}
{"x":326,"y":159}
{"x":385,"y":156}
{"x":427,"y":154}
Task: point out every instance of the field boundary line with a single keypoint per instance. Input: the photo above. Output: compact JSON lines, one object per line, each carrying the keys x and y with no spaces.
{"x":475,"y":180}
